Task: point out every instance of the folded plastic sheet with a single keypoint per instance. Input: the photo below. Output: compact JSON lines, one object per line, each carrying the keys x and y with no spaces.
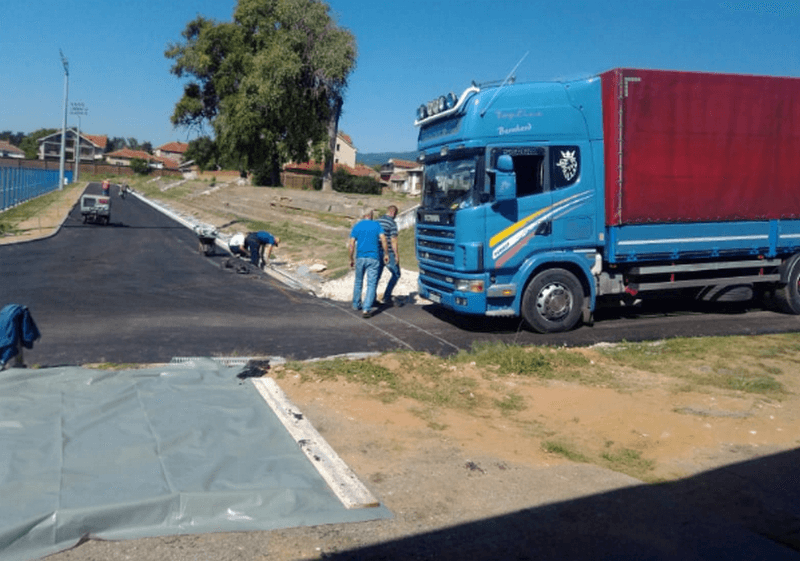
{"x":178,"y":449}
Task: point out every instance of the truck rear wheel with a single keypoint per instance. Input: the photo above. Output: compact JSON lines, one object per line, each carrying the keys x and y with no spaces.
{"x":553,"y":301}
{"x":787,"y":296}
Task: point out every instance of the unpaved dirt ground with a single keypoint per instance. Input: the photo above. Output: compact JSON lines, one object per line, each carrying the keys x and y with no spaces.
{"x":435,"y":468}
{"x":438,"y":468}
{"x":314,"y":226}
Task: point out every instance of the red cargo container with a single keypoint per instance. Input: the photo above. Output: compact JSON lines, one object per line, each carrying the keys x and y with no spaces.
{"x":697,"y":147}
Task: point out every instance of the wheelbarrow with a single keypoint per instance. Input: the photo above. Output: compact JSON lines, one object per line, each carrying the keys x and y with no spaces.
{"x":207,"y":238}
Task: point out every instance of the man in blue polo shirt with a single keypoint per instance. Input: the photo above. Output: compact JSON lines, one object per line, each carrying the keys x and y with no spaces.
{"x":257,"y":242}
{"x":365,"y":244}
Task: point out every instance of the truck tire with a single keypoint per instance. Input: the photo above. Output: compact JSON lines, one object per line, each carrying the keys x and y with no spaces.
{"x":787,"y":297}
{"x":553,"y":301}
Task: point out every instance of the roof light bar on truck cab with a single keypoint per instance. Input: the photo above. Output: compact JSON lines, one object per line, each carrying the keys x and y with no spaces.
{"x":442,"y":106}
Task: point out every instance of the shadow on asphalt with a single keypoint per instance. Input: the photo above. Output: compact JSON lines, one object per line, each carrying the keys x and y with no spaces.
{"x":654,"y":308}
{"x":474,"y":323}
{"x":748,"y":510}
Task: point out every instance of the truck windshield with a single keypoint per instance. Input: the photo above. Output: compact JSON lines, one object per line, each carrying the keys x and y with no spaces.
{"x":451,"y":184}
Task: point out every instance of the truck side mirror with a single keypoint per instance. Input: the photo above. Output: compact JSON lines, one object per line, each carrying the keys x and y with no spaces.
{"x":505,"y":163}
{"x":505,"y":182}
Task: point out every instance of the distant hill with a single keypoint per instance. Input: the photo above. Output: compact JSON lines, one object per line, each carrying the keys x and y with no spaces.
{"x":380,"y":158}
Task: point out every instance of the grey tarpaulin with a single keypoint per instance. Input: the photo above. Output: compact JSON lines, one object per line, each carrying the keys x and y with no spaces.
{"x":179,"y":449}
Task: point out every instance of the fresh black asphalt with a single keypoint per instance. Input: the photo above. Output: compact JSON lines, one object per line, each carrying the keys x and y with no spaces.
{"x":139,"y":290}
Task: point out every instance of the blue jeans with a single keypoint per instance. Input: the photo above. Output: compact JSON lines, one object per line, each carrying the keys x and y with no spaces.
{"x":371,"y":267}
{"x":394,"y":270}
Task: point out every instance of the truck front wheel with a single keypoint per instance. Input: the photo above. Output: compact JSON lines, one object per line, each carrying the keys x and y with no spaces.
{"x":553,"y":301}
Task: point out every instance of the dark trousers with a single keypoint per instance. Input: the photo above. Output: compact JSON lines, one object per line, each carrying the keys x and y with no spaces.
{"x":253,"y":246}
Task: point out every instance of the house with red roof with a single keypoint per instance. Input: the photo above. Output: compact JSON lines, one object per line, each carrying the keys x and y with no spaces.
{"x":316,"y":167}
{"x":124,"y":156}
{"x":172,"y":150}
{"x":345,"y":150}
{"x":91,"y":147}
{"x":8,"y":150}
{"x":402,"y":176}
{"x":344,"y":158}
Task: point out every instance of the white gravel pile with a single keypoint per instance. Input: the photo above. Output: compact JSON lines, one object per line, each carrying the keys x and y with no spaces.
{"x":342,"y":289}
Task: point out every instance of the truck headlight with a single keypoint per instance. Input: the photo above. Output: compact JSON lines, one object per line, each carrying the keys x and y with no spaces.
{"x":469,"y":285}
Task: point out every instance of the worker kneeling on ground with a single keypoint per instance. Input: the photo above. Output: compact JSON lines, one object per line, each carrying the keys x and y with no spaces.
{"x":258,"y":242}
{"x":236,"y":245}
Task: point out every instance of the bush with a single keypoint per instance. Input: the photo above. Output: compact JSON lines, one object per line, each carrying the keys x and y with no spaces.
{"x":140,"y":166}
{"x":346,"y":182}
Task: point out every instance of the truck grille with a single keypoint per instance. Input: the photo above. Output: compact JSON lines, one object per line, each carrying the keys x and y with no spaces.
{"x":436,"y":256}
{"x":437,"y":281}
{"x":438,"y":246}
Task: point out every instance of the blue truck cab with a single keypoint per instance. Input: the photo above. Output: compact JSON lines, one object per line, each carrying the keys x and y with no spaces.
{"x":513,"y":183}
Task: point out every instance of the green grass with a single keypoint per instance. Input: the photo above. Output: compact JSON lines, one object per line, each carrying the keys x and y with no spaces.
{"x":11,"y":217}
{"x":625,"y":460}
{"x":359,"y":371}
{"x":510,"y":403}
{"x":728,"y":363}
{"x":622,"y":460}
{"x":504,"y":359}
{"x":456,"y":392}
{"x":565,"y":450}
{"x":507,"y":359}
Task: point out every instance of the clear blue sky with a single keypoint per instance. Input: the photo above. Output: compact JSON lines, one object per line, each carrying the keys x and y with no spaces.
{"x":410,"y":51}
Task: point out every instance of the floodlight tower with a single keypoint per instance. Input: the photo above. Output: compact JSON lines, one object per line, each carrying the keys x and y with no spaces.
{"x":79,"y":109}
{"x":65,"y":62}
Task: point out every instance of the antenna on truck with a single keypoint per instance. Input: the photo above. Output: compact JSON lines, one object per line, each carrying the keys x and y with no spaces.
{"x":500,"y":87}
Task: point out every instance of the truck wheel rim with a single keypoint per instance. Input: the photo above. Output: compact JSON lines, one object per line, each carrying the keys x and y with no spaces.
{"x":554,"y":302}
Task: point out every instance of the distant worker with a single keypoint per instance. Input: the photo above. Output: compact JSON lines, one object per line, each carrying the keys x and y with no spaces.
{"x":106,"y":187}
{"x":257,"y":242}
{"x":236,"y":245}
{"x":390,"y":231}
{"x":364,"y":246}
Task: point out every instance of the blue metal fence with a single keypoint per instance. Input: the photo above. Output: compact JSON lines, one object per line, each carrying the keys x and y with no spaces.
{"x":18,"y":185}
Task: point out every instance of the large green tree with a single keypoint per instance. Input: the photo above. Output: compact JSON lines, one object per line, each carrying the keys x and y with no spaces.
{"x":30,"y":144}
{"x":203,"y":152}
{"x":270,"y":82}
{"x":12,"y":138}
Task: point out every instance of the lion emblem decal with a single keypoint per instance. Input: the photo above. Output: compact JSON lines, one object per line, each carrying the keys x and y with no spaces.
{"x":568,"y":164}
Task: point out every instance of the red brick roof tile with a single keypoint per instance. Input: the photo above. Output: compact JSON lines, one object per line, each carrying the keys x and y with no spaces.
{"x":177,"y":147}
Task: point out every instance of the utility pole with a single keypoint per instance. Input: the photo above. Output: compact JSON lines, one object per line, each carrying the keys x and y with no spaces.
{"x":78,"y":109}
{"x":65,"y":62}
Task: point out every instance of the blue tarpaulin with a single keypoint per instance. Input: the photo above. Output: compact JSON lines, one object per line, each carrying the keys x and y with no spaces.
{"x":17,"y":329}
{"x":177,"y":449}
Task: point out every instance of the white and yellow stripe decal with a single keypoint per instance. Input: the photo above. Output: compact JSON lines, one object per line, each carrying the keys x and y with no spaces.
{"x":511,"y":236}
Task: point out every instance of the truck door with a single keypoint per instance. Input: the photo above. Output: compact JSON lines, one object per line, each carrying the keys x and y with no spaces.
{"x":539,"y":204}
{"x":574,"y":214}
{"x":518,"y":223}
